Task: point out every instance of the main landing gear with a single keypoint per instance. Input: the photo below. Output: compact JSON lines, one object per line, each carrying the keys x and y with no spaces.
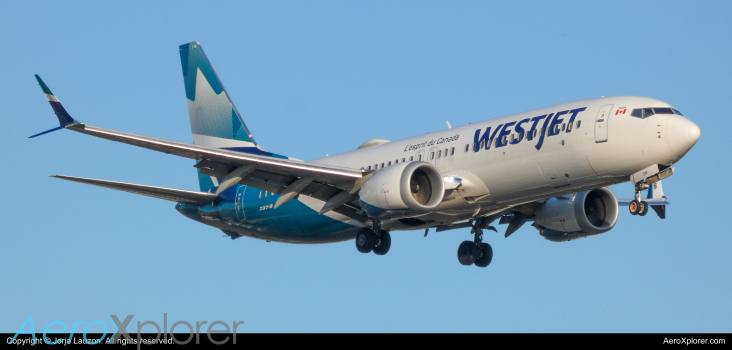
{"x":638,"y":206}
{"x":376,"y":240}
{"x":475,"y":252}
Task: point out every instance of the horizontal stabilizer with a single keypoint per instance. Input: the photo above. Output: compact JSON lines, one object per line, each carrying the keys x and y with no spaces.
{"x":170,"y":194}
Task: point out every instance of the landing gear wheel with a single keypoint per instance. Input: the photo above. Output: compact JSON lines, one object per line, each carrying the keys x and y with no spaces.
{"x":467,"y":251}
{"x":365,"y":240}
{"x":485,"y":255}
{"x":643,"y":208}
{"x":383,"y":244}
{"x":635,"y":207}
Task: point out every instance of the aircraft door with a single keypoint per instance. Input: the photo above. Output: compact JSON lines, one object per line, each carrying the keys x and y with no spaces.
{"x":239,"y":203}
{"x":601,"y":123}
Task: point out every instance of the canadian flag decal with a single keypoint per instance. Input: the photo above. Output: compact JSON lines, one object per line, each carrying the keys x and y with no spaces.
{"x":620,"y":111}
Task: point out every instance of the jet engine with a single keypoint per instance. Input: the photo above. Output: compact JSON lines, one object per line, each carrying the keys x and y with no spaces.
{"x":412,"y":186}
{"x":589,"y":213}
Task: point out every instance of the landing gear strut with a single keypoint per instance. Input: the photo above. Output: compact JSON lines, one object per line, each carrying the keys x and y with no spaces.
{"x":475,"y":252}
{"x":376,"y":240}
{"x":638,"y":206}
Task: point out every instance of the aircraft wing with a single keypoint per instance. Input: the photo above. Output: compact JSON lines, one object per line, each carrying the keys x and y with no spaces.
{"x":327,"y":183}
{"x":336,"y":186}
{"x":269,"y":168}
{"x":170,"y":194}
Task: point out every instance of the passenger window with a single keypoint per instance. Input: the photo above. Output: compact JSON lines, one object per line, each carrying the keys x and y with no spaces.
{"x":396,"y":161}
{"x":376,"y":166}
{"x":647,"y":112}
{"x":382,"y":165}
{"x":265,"y":194}
{"x":389,"y":164}
{"x":569,"y":127}
{"x":432,"y":155}
{"x":467,"y":147}
{"x":564,"y":126}
{"x":663,"y":111}
{"x":439,"y":154}
{"x":512,"y":138}
{"x":481,"y":145}
{"x":445,"y":152}
{"x":578,"y":123}
{"x":533,"y":134}
{"x":411,"y":158}
{"x":369,"y":167}
{"x":260,"y":194}
{"x":452,"y":151}
{"x":638,"y":113}
{"x":419,"y":157}
{"x":402,"y":160}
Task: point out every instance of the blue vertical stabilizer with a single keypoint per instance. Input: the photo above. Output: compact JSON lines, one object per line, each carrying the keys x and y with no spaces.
{"x":215,"y":121}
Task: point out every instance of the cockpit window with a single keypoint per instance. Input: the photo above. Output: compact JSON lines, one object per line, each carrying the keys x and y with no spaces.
{"x":663,"y":111}
{"x":647,"y":112}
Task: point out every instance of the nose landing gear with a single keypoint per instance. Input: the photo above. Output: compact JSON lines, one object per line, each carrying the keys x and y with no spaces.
{"x":638,"y":206}
{"x":475,"y":252}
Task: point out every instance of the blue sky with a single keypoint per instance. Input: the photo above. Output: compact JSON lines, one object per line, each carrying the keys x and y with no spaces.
{"x":316,"y":78}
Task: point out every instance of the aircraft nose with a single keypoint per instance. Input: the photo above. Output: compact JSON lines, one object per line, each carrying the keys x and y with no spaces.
{"x":682,"y":134}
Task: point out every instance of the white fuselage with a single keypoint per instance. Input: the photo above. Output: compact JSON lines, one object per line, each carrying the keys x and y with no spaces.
{"x":603,"y":146}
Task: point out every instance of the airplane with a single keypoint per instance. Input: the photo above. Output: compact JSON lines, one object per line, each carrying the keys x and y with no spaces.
{"x":550,"y":166}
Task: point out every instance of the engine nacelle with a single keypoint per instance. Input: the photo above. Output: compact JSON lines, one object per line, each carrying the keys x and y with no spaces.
{"x":590,"y":213}
{"x":413,"y":186}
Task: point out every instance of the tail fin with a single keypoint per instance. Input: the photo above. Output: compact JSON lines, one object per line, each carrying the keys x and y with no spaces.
{"x":215,"y":121}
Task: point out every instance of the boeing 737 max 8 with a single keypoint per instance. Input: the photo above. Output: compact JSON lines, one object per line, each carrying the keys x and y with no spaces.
{"x":550,"y":166}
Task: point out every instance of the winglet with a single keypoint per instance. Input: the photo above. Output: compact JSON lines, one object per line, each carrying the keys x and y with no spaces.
{"x":64,"y":118}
